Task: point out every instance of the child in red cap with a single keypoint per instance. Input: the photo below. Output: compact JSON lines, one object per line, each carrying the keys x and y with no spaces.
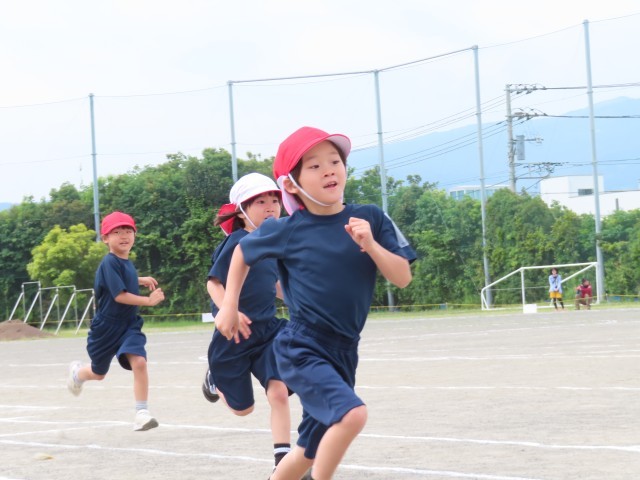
{"x":328,"y":254}
{"x":116,"y":329}
{"x":254,"y":198}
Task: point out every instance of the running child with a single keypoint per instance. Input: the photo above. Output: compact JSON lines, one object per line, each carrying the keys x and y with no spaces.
{"x":254,"y":198}
{"x":328,"y":254}
{"x":116,"y":329}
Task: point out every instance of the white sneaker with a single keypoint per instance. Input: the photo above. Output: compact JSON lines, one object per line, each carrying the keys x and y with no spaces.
{"x":144,"y":421}
{"x":75,"y":387}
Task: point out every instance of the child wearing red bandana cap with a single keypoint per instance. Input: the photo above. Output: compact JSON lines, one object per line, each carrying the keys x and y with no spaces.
{"x":328,"y":253}
{"x":116,"y":329}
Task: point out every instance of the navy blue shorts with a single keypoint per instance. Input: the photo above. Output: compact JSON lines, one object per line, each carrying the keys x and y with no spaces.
{"x":320,"y":367}
{"x":232,"y":363}
{"x":109,"y":337}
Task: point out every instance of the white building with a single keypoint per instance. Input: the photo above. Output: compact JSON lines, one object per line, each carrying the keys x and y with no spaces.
{"x":473,"y":191}
{"x":576,"y":193}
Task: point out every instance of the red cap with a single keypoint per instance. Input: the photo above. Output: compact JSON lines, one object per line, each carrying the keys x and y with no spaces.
{"x":115,"y":220}
{"x":290,"y":153}
{"x":227,"y":225}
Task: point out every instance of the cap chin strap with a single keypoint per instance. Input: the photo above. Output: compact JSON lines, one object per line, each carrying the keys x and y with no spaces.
{"x":246,"y":217}
{"x":306,"y":194}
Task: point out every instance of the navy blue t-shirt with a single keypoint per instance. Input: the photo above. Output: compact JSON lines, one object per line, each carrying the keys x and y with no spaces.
{"x":114,"y":276}
{"x":258,"y":294}
{"x":327,"y":281}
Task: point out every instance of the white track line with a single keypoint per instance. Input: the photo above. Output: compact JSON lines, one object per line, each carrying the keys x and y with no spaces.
{"x":412,"y":438}
{"x":362,"y":468}
{"x":611,"y":389}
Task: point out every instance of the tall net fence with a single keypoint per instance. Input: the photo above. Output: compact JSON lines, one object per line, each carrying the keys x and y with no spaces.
{"x":425,"y":97}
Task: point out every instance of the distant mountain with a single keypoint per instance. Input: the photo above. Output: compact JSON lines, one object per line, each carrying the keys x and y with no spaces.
{"x":5,"y":205}
{"x":451,"y":158}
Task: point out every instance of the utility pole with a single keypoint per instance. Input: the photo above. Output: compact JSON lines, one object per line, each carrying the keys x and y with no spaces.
{"x":509,"y":89}
{"x":510,"y":145}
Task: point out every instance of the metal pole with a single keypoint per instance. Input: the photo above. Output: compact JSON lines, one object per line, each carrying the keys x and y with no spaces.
{"x":96,"y":201}
{"x":483,"y":196}
{"x":234,"y":158}
{"x":24,"y":302}
{"x":383,"y":170}
{"x":594,"y":162}
{"x":510,"y":146}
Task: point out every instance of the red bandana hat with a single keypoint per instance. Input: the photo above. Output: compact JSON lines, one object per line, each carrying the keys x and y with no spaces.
{"x":292,"y":149}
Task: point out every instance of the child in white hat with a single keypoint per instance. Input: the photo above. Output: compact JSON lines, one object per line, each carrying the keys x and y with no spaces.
{"x":253,"y":198}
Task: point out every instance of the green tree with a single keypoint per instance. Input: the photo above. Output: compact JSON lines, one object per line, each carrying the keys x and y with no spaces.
{"x":519,"y":233}
{"x":446,"y":235}
{"x":620,"y":245}
{"x":67,"y":257}
{"x":22,"y":227}
{"x":68,"y":207}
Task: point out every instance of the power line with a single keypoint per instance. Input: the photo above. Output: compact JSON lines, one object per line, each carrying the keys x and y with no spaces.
{"x":55,"y":102}
{"x":587,"y":116}
{"x":440,"y":149}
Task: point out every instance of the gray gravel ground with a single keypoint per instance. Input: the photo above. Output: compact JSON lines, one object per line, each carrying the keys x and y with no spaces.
{"x":546,"y":396}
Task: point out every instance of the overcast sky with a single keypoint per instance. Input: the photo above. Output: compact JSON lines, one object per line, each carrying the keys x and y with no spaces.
{"x":159,"y":72}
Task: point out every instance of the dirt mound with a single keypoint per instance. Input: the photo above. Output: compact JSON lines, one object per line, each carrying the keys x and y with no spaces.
{"x":17,"y":329}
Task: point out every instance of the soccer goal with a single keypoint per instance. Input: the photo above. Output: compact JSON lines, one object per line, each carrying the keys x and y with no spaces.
{"x":532,"y":285}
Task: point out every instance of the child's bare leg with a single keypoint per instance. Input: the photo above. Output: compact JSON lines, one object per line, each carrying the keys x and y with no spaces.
{"x":239,"y":413}
{"x":85,"y":373}
{"x":293,"y":466}
{"x":278,"y":398}
{"x":140,"y":377}
{"x":78,"y":374}
{"x":336,"y":441}
{"x":144,"y":420}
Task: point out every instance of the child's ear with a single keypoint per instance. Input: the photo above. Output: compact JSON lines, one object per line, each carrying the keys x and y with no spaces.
{"x":104,"y":238}
{"x":290,"y":187}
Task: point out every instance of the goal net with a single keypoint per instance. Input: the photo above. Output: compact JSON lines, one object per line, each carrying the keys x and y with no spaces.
{"x":530,"y":285}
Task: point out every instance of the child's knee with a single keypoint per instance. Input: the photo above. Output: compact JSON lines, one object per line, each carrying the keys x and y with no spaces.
{"x":242,"y":413}
{"x":356,"y":418}
{"x":137,"y":362}
{"x":277,"y":393}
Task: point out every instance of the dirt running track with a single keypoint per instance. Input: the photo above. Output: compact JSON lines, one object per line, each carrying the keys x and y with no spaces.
{"x":507,"y":397}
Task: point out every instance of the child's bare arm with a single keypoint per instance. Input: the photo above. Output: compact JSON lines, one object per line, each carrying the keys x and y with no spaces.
{"x":279,"y":293}
{"x":393,"y":267}
{"x":227,"y":318}
{"x":149,"y":282}
{"x":216,"y":292}
{"x":152,"y":300}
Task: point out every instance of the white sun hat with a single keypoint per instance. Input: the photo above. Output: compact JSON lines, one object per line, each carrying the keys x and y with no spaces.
{"x":249,"y":186}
